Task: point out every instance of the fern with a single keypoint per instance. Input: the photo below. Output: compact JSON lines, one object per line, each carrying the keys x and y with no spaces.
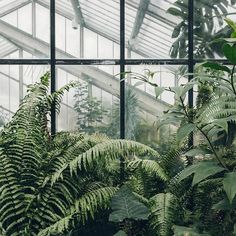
{"x":163,"y":213}
{"x":50,"y":185}
{"x":83,"y":208}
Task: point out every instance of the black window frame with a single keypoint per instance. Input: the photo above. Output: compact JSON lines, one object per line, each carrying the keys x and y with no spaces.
{"x":122,"y":61}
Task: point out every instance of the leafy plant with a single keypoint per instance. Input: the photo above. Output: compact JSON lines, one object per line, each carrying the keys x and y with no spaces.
{"x":51,"y":185}
{"x":132,"y":116}
{"x":126,"y":208}
{"x":90,"y":112}
{"x":208,"y":16}
{"x":205,"y":187}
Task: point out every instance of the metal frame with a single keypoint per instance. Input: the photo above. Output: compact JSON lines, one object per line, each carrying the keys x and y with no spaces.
{"x":122,"y":61}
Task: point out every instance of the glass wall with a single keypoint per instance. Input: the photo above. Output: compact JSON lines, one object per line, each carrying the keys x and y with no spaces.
{"x":90,"y":39}
{"x":13,"y":86}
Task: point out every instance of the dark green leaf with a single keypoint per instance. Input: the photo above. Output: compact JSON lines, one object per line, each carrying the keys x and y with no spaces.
{"x":216,"y":66}
{"x":120,"y":233}
{"x":126,"y":206}
{"x":230,"y":53}
{"x":224,"y":205}
{"x":184,"y":131}
{"x":177,"y":30}
{"x":201,"y":171}
{"x":229,"y":184}
{"x":197,"y":151}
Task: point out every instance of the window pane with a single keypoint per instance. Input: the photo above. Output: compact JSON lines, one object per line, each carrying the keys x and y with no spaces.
{"x":13,"y":82}
{"x":24,"y":26}
{"x":149,"y":29}
{"x":142,"y":106}
{"x":93,"y":105}
{"x":91,"y":30}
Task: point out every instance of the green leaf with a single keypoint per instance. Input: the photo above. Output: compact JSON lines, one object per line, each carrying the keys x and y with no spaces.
{"x":159,"y":91}
{"x":163,"y":213}
{"x":235,"y":229}
{"x":229,"y":184}
{"x":221,"y":123}
{"x":126,"y":206}
{"x":120,"y":233}
{"x":233,"y":35}
{"x":231,"y":23}
{"x":201,"y":171}
{"x":185,"y":231}
{"x":224,"y":205}
{"x":184,"y":131}
{"x":230,"y":53}
{"x":197,"y":151}
{"x":216,"y":66}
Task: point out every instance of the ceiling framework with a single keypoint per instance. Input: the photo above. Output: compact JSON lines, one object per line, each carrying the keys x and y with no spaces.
{"x":98,"y":77}
{"x":145,"y":19}
{"x":11,"y":6}
{"x":78,"y":16}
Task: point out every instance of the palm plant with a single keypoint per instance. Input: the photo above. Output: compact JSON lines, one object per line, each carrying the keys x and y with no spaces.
{"x":52,"y":184}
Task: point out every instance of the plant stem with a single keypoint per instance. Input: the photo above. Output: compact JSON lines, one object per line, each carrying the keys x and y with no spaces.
{"x":185,"y":109}
{"x":232,"y":79}
{"x":204,"y":134}
{"x":212,"y":148}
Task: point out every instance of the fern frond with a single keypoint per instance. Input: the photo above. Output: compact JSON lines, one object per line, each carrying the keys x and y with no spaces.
{"x":163,"y":212}
{"x":104,"y":152}
{"x":84,"y":207}
{"x":150,"y":166}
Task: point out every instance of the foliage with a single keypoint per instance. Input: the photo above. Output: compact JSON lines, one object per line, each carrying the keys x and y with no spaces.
{"x":132,"y":116}
{"x":208,"y":17}
{"x":163,"y":213}
{"x":51,"y":185}
{"x":90,"y":113}
{"x":125,"y":206}
{"x":205,"y":186}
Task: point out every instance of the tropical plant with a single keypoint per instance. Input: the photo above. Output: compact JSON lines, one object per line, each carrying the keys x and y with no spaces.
{"x":127,"y":209}
{"x":132,"y":116}
{"x":208,"y":18}
{"x":204,"y":187}
{"x":51,"y":185}
{"x":90,"y":112}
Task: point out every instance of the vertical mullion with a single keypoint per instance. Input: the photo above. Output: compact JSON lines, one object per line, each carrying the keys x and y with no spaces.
{"x":190,"y":57}
{"x":53,"y":63}
{"x":122,"y":84}
{"x":122,"y":69}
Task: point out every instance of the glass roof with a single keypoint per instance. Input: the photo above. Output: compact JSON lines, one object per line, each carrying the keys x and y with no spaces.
{"x":102,"y":16}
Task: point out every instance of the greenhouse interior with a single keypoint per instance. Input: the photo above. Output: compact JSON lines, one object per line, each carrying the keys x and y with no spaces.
{"x":117,"y":117}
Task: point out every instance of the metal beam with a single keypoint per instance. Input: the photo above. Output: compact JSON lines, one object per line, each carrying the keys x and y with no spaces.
{"x":98,"y":77}
{"x":78,"y":16}
{"x":12,"y":6}
{"x":69,"y":14}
